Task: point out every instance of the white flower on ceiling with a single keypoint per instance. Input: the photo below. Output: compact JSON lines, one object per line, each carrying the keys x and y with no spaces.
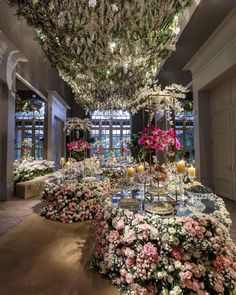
{"x":112,"y":46}
{"x":92,"y":3}
{"x":61,"y":18}
{"x":114,"y":7}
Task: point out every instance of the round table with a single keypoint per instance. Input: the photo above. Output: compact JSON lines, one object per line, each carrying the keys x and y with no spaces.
{"x":147,"y":254}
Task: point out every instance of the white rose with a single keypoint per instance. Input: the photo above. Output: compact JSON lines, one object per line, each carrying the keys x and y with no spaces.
{"x":171,"y":230}
{"x":160,"y":275}
{"x":178,"y":264}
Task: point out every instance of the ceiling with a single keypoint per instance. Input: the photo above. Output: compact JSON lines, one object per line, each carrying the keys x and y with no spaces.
{"x":206,"y":18}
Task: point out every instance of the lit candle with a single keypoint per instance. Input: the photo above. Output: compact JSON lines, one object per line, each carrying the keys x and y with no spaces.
{"x":68,"y":165}
{"x":62,"y":161}
{"x":192,"y":171}
{"x":131,"y":171}
{"x":140,"y":168}
{"x":98,"y":164}
{"x":181,"y":167}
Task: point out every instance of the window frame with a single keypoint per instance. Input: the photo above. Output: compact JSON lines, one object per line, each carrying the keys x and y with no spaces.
{"x":100,"y":127}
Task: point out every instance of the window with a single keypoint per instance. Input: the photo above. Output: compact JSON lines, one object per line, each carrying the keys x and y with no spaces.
{"x":185,"y":134}
{"x":111,"y":127}
{"x":30,"y":126}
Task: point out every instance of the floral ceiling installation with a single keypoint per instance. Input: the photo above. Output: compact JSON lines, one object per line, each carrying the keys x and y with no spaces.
{"x":105,"y":50}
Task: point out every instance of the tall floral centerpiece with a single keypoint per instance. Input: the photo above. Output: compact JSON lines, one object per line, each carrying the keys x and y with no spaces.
{"x":77,"y":130}
{"x":78,"y":149}
{"x":154,"y":139}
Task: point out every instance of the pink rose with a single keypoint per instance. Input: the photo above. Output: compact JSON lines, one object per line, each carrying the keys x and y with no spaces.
{"x":185,"y":275}
{"x":219,"y":287}
{"x":129,"y":278}
{"x":176,"y":254}
{"x":129,"y":262}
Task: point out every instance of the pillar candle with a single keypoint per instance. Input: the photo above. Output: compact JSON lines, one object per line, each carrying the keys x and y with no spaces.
{"x":68,"y":165}
{"x":181,"y":166}
{"x":62,"y":161}
{"x":131,"y":171}
{"x":192,"y":171}
{"x":140,"y":168}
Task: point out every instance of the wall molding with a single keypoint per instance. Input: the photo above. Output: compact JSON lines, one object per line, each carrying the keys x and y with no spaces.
{"x":220,"y":41}
{"x":30,"y":86}
{"x":58,"y":99}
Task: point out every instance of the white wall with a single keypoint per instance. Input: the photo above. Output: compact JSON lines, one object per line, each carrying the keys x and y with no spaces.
{"x":212,"y":66}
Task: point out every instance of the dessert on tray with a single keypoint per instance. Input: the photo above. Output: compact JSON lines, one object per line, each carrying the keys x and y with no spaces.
{"x":129,"y":203}
{"x":197,"y":188}
{"x":161,"y":208}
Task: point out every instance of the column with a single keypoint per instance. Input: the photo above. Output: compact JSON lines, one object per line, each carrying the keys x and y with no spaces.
{"x":7,"y":136}
{"x":56,"y":113}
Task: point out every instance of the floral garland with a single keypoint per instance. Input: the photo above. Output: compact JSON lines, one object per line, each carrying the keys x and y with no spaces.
{"x":29,"y":169}
{"x":157,"y":139}
{"x":105,"y":50}
{"x":72,"y":203}
{"x":145,"y":255}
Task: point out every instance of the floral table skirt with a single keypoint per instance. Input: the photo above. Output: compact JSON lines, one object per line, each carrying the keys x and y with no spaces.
{"x":145,"y":255}
{"x":69,"y":203}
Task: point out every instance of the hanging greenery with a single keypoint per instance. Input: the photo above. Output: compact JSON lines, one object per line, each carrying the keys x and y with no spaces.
{"x":106,"y":50}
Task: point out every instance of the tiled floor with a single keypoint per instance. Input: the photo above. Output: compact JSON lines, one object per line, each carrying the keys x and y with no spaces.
{"x":15,"y":211}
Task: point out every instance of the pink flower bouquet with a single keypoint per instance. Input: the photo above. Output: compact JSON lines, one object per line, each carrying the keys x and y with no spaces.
{"x":156,"y":139}
{"x":78,"y":146}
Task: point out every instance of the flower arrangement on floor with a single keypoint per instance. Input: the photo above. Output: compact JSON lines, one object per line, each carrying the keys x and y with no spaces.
{"x":28,"y":169}
{"x":153,"y":138}
{"x":145,"y":255}
{"x":73,"y":203}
